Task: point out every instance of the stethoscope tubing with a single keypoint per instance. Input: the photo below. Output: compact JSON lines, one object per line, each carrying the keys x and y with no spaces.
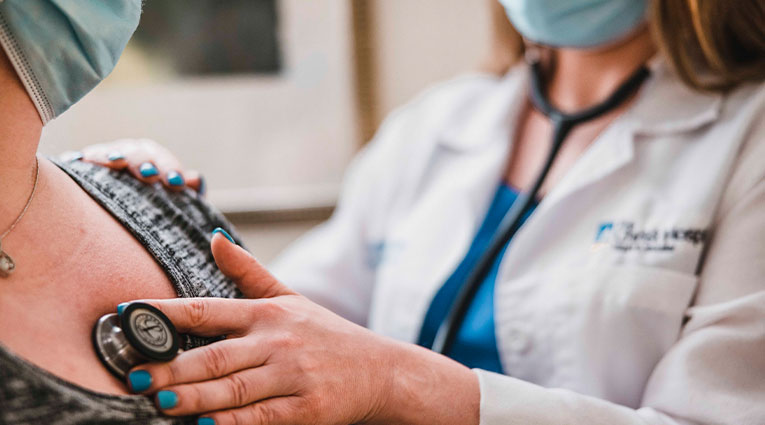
{"x":563,"y":124}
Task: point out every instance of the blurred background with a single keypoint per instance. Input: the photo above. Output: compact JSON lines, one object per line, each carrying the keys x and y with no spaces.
{"x":270,"y":99}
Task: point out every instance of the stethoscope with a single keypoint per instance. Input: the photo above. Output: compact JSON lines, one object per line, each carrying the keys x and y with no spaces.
{"x":563,"y":123}
{"x":139,"y":333}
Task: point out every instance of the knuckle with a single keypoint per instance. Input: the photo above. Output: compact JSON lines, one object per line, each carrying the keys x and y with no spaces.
{"x":238,"y":389}
{"x":197,"y":311}
{"x":262,"y":413}
{"x":287,"y":341}
{"x":172,"y":372}
{"x":272,"y":309}
{"x":215,"y":360}
{"x":190,"y":397}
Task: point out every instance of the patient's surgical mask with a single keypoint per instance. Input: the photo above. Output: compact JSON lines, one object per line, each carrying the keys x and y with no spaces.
{"x":62,"y":49}
{"x":575,"y":23}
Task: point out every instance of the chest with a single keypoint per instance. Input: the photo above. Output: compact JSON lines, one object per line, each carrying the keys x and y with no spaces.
{"x":73,"y":268}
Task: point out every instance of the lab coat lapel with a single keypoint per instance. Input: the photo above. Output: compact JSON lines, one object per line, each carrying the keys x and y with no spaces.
{"x":663,"y":107}
{"x":464,"y":169}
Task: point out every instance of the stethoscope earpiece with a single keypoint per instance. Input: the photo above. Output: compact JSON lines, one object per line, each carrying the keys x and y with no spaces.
{"x":139,"y":334}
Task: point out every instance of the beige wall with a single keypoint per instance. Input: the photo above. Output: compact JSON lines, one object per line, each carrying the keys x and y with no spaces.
{"x":417,"y":43}
{"x":421,"y":42}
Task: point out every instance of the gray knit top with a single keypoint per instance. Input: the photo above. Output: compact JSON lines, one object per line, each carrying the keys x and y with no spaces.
{"x":175,"y":228}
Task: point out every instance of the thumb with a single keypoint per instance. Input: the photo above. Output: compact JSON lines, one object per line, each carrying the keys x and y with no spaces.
{"x":249,"y":275}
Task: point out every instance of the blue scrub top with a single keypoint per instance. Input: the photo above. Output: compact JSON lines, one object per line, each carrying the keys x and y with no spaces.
{"x":476,"y":343}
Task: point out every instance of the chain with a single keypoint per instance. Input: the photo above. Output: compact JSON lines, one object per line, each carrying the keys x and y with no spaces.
{"x":29,"y":201}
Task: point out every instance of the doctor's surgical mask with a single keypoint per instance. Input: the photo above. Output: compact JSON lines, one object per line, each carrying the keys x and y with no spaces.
{"x":575,"y":23}
{"x":62,"y":49}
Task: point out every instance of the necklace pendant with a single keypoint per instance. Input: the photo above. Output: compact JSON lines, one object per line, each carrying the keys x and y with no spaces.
{"x":7,"y":265}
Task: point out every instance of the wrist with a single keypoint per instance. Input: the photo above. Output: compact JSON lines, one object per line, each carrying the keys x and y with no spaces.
{"x":424,"y":387}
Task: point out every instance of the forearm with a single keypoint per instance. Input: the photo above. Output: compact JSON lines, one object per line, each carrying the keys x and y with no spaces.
{"x":428,"y":388}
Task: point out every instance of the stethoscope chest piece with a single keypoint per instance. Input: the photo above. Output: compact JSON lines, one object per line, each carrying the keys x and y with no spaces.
{"x":139,"y":334}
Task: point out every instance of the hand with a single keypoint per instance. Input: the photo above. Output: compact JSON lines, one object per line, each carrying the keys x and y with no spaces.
{"x":146,"y":160}
{"x":285,"y":360}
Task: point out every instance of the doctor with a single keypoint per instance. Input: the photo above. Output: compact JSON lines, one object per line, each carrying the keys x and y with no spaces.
{"x":633,"y":294}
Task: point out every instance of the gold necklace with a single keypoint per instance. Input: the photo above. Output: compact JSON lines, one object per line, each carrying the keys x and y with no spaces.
{"x":7,"y":265}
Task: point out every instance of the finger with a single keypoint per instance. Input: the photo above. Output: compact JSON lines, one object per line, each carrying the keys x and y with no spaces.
{"x":236,"y":390}
{"x":288,"y":410}
{"x":208,"y":316}
{"x":70,"y":156}
{"x":195,"y":181}
{"x":106,"y":154}
{"x":200,"y":364}
{"x":250,"y":276}
{"x":168,"y":167}
{"x":147,"y":160}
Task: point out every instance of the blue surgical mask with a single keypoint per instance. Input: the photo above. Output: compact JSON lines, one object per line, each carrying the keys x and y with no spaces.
{"x":62,"y":49}
{"x":575,"y":23}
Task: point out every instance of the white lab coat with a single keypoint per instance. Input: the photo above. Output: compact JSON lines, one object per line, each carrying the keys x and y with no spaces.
{"x":635,"y":293}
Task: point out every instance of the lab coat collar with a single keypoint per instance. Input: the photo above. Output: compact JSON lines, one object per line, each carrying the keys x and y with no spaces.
{"x":491,"y":119}
{"x":667,"y":106}
{"x":664,"y":106}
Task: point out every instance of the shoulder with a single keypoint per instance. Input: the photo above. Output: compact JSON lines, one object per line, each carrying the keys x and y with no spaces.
{"x":743,"y":117}
{"x":412,"y":130}
{"x":120,"y":193}
{"x":174,"y":227}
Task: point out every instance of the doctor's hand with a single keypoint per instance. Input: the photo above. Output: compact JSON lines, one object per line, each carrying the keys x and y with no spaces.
{"x":288,"y":361}
{"x":145,"y":159}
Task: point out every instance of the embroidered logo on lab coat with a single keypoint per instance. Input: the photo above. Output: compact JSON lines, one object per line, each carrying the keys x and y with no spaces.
{"x":627,"y":236}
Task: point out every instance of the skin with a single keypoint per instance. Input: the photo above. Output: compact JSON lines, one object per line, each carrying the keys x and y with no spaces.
{"x":74,"y":261}
{"x":288,"y":361}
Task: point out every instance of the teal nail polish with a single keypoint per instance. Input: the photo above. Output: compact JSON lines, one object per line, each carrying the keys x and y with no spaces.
{"x":167,"y":399}
{"x":121,"y":307}
{"x":174,"y":178}
{"x":205,"y":421}
{"x":224,"y":233}
{"x":140,"y":380}
{"x":147,"y":169}
{"x":115,"y":156}
{"x":76,"y":156}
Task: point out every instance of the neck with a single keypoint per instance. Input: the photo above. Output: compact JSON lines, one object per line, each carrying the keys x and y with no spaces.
{"x":19,"y":138}
{"x":585,"y":77}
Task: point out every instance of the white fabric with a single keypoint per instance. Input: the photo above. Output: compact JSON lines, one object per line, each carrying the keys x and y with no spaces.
{"x":610,"y":307}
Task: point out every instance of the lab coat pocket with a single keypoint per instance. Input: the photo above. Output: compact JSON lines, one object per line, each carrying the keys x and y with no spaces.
{"x":620,"y":321}
{"x":599,"y":330}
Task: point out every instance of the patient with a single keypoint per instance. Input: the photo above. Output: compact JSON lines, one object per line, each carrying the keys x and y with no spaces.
{"x":90,"y":238}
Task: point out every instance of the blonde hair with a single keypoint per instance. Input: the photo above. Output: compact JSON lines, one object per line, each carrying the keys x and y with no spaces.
{"x":713,"y":45}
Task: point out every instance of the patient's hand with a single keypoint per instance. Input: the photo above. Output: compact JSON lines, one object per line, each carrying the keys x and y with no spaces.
{"x":146,"y":160}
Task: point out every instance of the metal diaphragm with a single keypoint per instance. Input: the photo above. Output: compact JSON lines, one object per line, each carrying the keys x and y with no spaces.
{"x":139,"y":334}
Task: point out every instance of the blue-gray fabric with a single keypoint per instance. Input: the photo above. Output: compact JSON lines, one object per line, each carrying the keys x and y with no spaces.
{"x":62,"y":49}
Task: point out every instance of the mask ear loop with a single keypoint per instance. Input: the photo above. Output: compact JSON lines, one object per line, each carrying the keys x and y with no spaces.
{"x":18,"y":59}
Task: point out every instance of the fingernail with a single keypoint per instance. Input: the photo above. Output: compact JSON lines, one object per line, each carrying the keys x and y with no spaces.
{"x":121,"y":307}
{"x":224,"y":233}
{"x":116,"y":156}
{"x":167,"y":399}
{"x":205,"y":421}
{"x":140,"y":380}
{"x":174,"y":178}
{"x":75,"y":156}
{"x":148,"y":169}
{"x":202,"y":186}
